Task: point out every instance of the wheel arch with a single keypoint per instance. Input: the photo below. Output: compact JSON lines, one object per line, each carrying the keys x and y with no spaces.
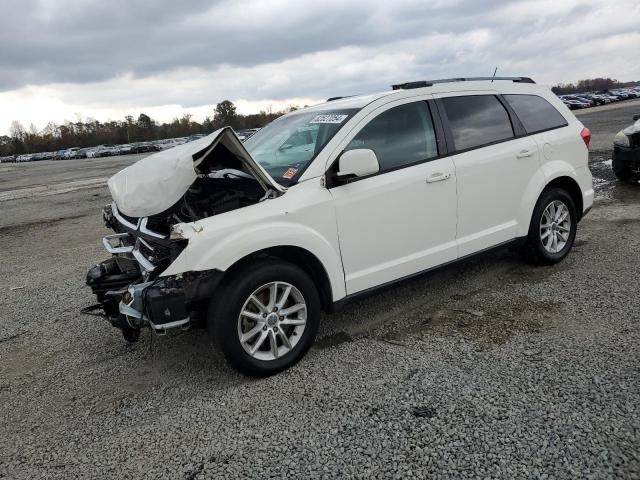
{"x":561,"y":178}
{"x":298,"y":256}
{"x":571,"y":186}
{"x":223,"y":249}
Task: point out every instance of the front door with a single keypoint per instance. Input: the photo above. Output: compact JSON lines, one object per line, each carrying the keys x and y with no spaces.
{"x":402,"y":220}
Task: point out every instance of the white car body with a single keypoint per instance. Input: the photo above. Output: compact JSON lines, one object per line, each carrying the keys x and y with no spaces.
{"x":376,"y":231}
{"x":332,"y":201}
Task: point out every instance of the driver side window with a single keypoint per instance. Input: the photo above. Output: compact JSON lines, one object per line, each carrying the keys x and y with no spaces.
{"x":400,"y":136}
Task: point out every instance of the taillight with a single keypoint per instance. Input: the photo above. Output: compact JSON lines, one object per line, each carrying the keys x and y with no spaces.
{"x":586,"y":136}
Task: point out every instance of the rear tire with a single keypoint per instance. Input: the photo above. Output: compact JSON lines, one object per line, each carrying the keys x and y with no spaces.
{"x":281,"y":331}
{"x":553,"y":226}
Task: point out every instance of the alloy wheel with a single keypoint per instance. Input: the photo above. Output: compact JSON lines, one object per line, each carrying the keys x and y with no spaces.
{"x":555,"y":227}
{"x":272,"y":320}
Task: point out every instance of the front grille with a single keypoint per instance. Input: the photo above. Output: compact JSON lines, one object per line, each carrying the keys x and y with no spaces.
{"x":158,"y":225}
{"x":137,"y":238}
{"x":154,"y":251}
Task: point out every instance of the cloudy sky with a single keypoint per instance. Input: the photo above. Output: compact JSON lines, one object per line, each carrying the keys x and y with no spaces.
{"x":76,"y":59}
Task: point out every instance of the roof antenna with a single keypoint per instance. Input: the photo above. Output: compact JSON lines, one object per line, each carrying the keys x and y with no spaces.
{"x":494,"y":74}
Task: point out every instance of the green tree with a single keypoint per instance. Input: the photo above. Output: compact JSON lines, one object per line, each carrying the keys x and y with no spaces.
{"x":90,"y":132}
{"x":225,"y":115}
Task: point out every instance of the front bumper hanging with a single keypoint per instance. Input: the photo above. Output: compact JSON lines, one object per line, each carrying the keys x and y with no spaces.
{"x":131,"y":294}
{"x":129,"y":302}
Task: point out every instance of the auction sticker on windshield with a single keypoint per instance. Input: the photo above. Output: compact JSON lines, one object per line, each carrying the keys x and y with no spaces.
{"x":290,"y":173}
{"x":328,"y":118}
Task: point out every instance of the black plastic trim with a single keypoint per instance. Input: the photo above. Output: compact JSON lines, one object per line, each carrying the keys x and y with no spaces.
{"x":441,"y":140}
{"x":516,"y":124}
{"x":430,"y":83}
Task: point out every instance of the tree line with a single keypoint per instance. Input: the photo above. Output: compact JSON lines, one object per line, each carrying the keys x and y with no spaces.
{"x":590,"y":85}
{"x":116,"y":132}
{"x":91,"y":133}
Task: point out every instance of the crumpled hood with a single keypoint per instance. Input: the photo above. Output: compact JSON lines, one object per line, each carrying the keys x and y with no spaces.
{"x":155,"y":183}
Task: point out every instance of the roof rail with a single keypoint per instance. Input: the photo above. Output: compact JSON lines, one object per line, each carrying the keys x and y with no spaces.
{"x":430,"y":83}
{"x":331,"y":99}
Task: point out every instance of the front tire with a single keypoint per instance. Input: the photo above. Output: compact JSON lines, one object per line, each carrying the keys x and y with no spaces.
{"x":131,"y":335}
{"x":265,"y":317}
{"x":622,"y":171}
{"x":553,"y":227}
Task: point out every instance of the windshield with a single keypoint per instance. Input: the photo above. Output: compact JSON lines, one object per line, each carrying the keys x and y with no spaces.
{"x":286,"y":146}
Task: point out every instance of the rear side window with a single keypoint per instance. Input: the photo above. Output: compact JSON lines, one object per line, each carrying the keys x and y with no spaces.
{"x":401,"y":136}
{"x":477,"y":120}
{"x":535,"y":113}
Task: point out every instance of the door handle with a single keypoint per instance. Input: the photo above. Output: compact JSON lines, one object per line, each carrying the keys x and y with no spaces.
{"x":525,"y":153}
{"x":438,"y":177}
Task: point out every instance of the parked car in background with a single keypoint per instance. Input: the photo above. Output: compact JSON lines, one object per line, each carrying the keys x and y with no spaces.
{"x":73,"y":153}
{"x":626,"y":152}
{"x":196,"y":136}
{"x":246,"y":133}
{"x":597,"y":99}
{"x":623,"y":94}
{"x":580,"y":99}
{"x":611,"y":98}
{"x":575,"y":104}
{"x":126,"y":149}
{"x":585,"y":99}
{"x":253,"y":244}
{"x":144,"y":147}
{"x":111,"y":150}
{"x":94,"y":151}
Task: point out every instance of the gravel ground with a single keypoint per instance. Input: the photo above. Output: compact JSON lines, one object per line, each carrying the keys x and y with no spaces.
{"x":489,"y":368}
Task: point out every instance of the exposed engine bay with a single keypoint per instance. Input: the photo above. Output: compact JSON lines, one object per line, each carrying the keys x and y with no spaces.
{"x":130,"y":291}
{"x":222,"y":185}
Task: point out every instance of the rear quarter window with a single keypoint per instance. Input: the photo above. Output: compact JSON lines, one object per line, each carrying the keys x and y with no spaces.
{"x":535,"y":113}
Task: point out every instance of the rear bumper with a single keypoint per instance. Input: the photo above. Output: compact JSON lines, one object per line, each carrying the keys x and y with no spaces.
{"x":585,"y":182}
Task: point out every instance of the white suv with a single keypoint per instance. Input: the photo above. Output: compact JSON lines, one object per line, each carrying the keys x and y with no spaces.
{"x":254,"y":239}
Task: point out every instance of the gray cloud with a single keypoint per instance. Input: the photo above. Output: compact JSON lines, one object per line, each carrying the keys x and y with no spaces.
{"x":95,"y":55}
{"x":77,"y":41}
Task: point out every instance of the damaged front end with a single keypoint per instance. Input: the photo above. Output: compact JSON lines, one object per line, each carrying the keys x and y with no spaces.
{"x":153,"y":199}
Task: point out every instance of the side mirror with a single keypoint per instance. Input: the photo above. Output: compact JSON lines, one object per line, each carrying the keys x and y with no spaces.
{"x":636,"y":117}
{"x":359,"y":162}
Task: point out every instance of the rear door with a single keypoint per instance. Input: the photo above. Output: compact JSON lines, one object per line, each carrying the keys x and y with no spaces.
{"x":545,"y":124}
{"x":402,"y":220}
{"x":493,"y":167}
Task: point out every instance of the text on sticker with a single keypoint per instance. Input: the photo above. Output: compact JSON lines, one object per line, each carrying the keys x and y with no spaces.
{"x":328,"y":118}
